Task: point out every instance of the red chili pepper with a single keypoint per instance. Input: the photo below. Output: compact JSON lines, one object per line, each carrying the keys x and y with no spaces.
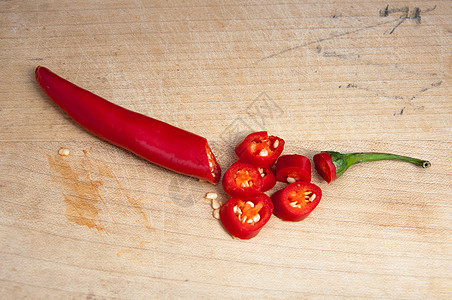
{"x":330,"y":164}
{"x":244,"y":218}
{"x":296,"y":201}
{"x":242,"y":180}
{"x":156,"y":141}
{"x":292,"y":168}
{"x":269,"y":180}
{"x":260,"y":149}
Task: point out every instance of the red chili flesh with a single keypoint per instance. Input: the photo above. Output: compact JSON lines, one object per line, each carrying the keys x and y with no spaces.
{"x":158,"y":142}
{"x":324,"y":166}
{"x":260,"y":149}
{"x":268,"y":178}
{"x":242,"y":180}
{"x":244,"y":217}
{"x":296,"y":201}
{"x":295,"y":167}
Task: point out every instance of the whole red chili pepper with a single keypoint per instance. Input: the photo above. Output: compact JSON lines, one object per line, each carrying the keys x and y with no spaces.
{"x":242,"y":180}
{"x":296,"y":201}
{"x":154,"y":140}
{"x":244,"y":217}
{"x":331,"y":164}
{"x":292,"y":168}
{"x":260,"y":149}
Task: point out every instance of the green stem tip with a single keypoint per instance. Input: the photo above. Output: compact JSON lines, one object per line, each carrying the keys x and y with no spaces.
{"x":344,"y":161}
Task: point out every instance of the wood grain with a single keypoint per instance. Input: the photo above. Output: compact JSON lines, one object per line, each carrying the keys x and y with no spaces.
{"x":102,"y":223}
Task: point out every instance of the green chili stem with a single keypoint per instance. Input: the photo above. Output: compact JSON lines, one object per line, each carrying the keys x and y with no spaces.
{"x":353,"y":158}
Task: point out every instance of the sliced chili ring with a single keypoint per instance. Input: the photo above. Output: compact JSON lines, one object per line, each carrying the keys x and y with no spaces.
{"x":260,"y":149}
{"x":242,"y":179}
{"x":269,"y":180}
{"x":292,"y":168}
{"x":325,"y":167}
{"x":296,"y":201}
{"x":244,"y":217}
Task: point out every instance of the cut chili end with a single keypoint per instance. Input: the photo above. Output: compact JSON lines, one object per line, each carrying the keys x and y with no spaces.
{"x":215,"y":169}
{"x":298,"y":198}
{"x":260,"y":149}
{"x":324,"y":166}
{"x":264,"y":147}
{"x":243,"y":179}
{"x":269,"y":180}
{"x":296,"y":201}
{"x":293,"y":167}
{"x":244,"y":217}
{"x":248,"y":212}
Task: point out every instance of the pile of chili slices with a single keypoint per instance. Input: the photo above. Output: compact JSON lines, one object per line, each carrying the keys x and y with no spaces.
{"x":259,"y":166}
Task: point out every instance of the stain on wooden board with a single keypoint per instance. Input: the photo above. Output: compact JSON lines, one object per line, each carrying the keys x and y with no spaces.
{"x":135,"y":203}
{"x":81,"y":195}
{"x":82,"y":182}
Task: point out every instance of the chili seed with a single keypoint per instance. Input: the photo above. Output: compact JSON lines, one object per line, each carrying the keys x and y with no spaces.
{"x":211,"y":196}
{"x":290,"y":180}
{"x":216,"y":204}
{"x":63,"y":151}
{"x":250,"y":203}
{"x":276,"y":144}
{"x":216,"y":214}
{"x":256,"y":218}
{"x":263,"y":152}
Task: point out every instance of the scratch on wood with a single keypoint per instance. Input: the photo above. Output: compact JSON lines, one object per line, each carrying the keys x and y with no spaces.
{"x":332,"y":37}
{"x":401,"y":20}
{"x":407,"y":14}
{"x":400,"y":112}
{"x":379,"y":93}
{"x":432,"y":85}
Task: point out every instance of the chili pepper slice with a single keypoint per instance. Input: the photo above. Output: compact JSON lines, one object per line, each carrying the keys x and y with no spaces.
{"x":330,"y":164}
{"x":242,"y":180}
{"x":292,"y":168}
{"x":260,"y":149}
{"x":158,"y":142}
{"x":296,"y":201}
{"x":244,"y":217}
{"x":269,"y":180}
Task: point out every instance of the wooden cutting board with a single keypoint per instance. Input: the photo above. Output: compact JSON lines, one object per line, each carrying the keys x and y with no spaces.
{"x":102,"y":223}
